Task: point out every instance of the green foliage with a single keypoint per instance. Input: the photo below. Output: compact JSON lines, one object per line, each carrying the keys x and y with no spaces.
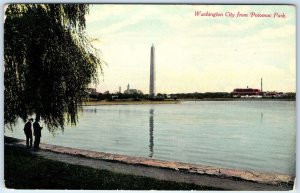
{"x":49,"y":62}
{"x":201,"y":95}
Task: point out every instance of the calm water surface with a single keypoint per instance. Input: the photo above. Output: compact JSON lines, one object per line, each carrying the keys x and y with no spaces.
{"x":254,"y":135}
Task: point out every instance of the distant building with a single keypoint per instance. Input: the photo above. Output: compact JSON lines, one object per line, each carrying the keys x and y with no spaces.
{"x":274,"y":94}
{"x":132,"y":91}
{"x":91,"y":91}
{"x":239,"y":92}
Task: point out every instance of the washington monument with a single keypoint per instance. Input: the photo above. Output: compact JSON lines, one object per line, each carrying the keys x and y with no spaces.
{"x":152,"y":72}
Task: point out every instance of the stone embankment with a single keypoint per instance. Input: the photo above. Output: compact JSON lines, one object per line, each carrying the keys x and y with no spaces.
{"x":223,"y":178}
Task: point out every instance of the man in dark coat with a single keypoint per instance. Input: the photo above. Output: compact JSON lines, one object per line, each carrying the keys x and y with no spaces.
{"x":37,"y":133}
{"x":28,"y":133}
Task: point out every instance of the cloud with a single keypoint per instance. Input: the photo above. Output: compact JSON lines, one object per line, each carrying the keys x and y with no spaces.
{"x":136,"y":15}
{"x":287,"y":31}
{"x":195,"y":54}
{"x":100,"y":13}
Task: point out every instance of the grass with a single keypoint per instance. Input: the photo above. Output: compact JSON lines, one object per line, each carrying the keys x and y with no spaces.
{"x":23,"y":170}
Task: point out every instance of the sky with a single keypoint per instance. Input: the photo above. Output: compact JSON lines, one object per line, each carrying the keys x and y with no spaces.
{"x":194,"y":53}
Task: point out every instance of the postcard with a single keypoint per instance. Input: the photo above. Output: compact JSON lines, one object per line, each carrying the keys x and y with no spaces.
{"x":150,"y":97}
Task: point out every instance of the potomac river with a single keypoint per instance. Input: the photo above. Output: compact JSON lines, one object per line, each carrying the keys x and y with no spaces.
{"x":248,"y":135}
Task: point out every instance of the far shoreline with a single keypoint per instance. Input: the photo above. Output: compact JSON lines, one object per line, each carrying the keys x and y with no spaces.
{"x":128,"y":102}
{"x":171,"y":101}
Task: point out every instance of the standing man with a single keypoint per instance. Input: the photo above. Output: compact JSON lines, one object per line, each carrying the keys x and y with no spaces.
{"x":28,"y":133}
{"x":37,"y":133}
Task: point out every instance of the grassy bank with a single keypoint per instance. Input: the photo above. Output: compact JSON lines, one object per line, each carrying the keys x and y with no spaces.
{"x":23,"y":170}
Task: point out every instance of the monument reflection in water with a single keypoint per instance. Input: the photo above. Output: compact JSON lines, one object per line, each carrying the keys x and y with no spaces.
{"x":151,"y":129}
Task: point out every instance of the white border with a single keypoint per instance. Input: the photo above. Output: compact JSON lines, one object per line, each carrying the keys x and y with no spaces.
{"x":294,"y":2}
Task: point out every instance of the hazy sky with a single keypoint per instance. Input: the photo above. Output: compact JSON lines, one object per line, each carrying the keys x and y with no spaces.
{"x":194,"y":53}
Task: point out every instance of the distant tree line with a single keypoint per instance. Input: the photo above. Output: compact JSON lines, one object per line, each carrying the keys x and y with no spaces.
{"x":162,"y":96}
{"x":159,"y":96}
{"x":197,"y":95}
{"x":121,"y":96}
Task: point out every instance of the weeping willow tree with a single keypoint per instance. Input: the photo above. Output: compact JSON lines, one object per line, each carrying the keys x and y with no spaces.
{"x":49,"y":62}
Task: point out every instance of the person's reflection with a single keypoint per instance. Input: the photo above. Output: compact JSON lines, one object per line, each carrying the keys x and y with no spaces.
{"x":151,"y":128}
{"x":261,"y":117}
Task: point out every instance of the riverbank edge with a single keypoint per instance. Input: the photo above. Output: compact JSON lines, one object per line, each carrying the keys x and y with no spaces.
{"x":238,"y":176}
{"x":55,"y":171}
{"x":178,"y":101}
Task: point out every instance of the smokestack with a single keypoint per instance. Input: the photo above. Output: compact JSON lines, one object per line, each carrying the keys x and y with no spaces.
{"x":261,"y":85}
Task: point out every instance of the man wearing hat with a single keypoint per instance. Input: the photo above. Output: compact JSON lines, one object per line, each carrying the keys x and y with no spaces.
{"x":28,"y":133}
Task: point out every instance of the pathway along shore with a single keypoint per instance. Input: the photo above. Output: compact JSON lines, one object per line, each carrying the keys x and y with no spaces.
{"x":208,"y":176}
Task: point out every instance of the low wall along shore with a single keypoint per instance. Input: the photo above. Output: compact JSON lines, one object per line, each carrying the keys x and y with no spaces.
{"x":232,"y":179}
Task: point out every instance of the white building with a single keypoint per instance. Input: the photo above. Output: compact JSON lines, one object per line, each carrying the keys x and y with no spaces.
{"x":132,"y":91}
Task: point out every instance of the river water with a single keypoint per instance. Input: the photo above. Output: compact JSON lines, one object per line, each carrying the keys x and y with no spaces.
{"x":251,"y":135}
